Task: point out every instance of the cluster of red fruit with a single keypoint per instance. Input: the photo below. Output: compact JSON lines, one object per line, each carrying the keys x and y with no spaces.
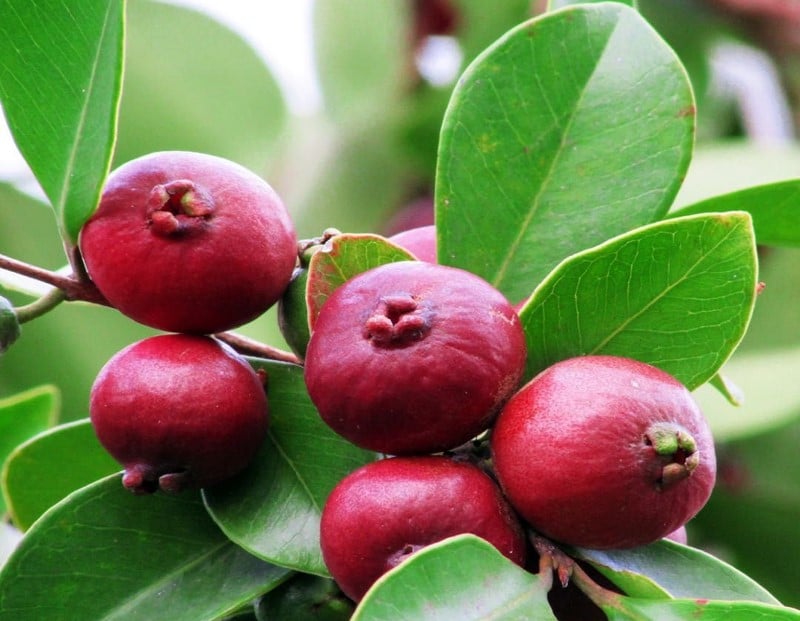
{"x":194,"y":245}
{"x":413,"y":360}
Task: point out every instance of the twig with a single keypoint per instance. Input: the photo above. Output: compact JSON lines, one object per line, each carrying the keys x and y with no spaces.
{"x":39,"y":307}
{"x":73,"y":289}
{"x":247,"y":346}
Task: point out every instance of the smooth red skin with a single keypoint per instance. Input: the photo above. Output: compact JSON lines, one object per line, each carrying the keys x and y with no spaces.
{"x":569,"y":452}
{"x":233,"y":270}
{"x":421,"y":242}
{"x":427,"y":396}
{"x":379,"y":509}
{"x":178,"y":402}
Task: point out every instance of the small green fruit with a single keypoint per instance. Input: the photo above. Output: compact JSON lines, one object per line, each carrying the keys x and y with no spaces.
{"x":9,"y":325}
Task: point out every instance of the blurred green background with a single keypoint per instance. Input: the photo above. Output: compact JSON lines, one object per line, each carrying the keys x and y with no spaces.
{"x":365,"y":162}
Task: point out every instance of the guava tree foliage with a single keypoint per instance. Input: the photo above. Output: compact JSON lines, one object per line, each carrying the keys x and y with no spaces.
{"x":562,"y":149}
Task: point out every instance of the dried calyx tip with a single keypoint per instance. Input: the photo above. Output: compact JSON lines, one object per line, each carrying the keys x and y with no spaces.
{"x":677,"y":449}
{"x":398,"y":319}
{"x":173,"y":205}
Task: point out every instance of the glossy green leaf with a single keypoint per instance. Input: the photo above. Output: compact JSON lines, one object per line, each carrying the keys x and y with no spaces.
{"x":668,"y":569}
{"x":361,"y":50}
{"x":273,"y":508}
{"x":676,"y":294}
{"x":462,"y":578}
{"x":775,"y":209}
{"x":341,"y":258}
{"x":724,"y":385}
{"x":51,"y":465}
{"x":22,"y":416}
{"x":629,"y":609}
{"x":193,"y":84}
{"x":572,"y":128}
{"x":104,"y":553}
{"x":60,"y":73}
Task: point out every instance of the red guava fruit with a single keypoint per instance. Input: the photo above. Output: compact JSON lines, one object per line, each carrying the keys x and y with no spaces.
{"x":177,"y":411}
{"x":413,"y":357}
{"x":604,"y":452}
{"x":380,"y":514}
{"x":187,"y":242}
{"x":421,"y":242}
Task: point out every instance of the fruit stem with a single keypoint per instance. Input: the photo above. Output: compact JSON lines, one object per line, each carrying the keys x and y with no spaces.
{"x":74,"y":289}
{"x":551,"y":559}
{"x":250,"y":347}
{"x":600,"y":596}
{"x":40,"y":306}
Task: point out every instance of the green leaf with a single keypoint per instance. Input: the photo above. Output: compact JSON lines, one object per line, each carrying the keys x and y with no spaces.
{"x":628,"y":608}
{"x":676,"y":571}
{"x":193,"y":84}
{"x":273,"y":508}
{"x":22,"y":416}
{"x":552,"y":5}
{"x":463,"y":578}
{"x":361,"y":50}
{"x":727,"y":388}
{"x":50,"y":466}
{"x":572,"y":128}
{"x":60,"y":73}
{"x":676,"y":294}
{"x":774,"y":208}
{"x":104,"y":553}
{"x":341,"y":258}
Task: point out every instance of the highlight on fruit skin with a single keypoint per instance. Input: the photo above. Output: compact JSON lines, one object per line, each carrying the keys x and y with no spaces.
{"x":413,"y":357}
{"x":387,"y":510}
{"x":178,"y":411}
{"x":604,"y":452}
{"x":189,"y":242}
{"x":419,"y":241}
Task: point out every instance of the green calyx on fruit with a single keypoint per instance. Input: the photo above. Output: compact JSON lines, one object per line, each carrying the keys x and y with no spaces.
{"x":676,"y":448}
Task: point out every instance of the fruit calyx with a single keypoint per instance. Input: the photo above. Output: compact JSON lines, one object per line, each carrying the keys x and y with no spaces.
{"x":177,"y":207}
{"x":142,"y":479}
{"x":676,"y":449}
{"x":398,"y":319}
